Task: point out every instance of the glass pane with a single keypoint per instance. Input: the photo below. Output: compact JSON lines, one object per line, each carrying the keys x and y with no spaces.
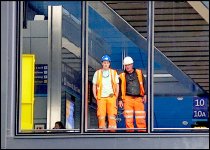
{"x":180,"y":70}
{"x":65,"y":61}
{"x":71,"y":67}
{"x":108,"y":34}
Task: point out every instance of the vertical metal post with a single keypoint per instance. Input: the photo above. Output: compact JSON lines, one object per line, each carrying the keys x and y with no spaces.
{"x":19,"y":45}
{"x":150,"y":46}
{"x":84,"y":107}
{"x":49,"y":65}
{"x":54,"y":84}
{"x":10,"y":39}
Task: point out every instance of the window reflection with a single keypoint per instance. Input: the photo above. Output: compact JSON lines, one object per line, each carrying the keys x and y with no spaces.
{"x":36,"y":41}
{"x":181,"y":102}
{"x":175,"y":89}
{"x":108,"y":37}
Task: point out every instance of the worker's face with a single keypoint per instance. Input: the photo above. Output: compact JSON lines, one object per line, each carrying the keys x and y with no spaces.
{"x":105,"y":65}
{"x":129,"y":68}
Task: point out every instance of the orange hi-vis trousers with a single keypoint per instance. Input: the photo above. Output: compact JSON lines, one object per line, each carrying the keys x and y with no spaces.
{"x":107,"y":106}
{"x":134,"y":105}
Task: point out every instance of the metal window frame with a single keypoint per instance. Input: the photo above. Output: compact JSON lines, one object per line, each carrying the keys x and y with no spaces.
{"x":85,"y":80}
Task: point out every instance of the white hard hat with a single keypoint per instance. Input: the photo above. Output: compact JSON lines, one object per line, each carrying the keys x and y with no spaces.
{"x":127,"y":60}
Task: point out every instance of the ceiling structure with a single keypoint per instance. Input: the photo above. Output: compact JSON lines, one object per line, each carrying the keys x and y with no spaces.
{"x":181,"y":33}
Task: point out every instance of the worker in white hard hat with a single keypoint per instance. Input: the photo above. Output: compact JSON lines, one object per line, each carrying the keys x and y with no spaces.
{"x":105,"y":90}
{"x":132,"y":96}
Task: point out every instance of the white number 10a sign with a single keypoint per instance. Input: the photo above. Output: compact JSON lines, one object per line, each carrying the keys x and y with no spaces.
{"x":200,"y":108}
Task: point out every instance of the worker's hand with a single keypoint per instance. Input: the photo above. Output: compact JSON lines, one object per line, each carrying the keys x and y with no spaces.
{"x":144,"y":99}
{"x":120,"y":103}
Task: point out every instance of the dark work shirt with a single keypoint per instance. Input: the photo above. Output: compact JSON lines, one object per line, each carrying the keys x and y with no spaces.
{"x":132,"y":84}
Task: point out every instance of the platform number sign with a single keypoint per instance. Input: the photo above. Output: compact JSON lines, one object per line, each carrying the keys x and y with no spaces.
{"x":200,"y":108}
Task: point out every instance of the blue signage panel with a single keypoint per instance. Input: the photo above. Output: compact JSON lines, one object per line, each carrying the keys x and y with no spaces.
{"x":200,"y":108}
{"x":71,"y":81}
{"x":41,"y":79}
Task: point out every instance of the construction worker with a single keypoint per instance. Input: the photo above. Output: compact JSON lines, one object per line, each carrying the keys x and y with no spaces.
{"x":132,"y":96}
{"x":105,"y":90}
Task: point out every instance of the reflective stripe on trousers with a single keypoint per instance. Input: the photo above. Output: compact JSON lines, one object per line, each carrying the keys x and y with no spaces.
{"x":134,"y":105}
{"x":107,"y":106}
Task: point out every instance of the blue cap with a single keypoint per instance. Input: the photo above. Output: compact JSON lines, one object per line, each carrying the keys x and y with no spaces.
{"x":105,"y":58}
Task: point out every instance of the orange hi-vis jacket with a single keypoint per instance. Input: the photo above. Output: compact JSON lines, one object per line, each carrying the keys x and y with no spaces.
{"x":99,"y":82}
{"x":123,"y":80}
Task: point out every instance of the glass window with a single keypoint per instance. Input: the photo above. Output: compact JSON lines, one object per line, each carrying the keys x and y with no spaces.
{"x":181,"y":43}
{"x":51,"y":61}
{"x":53,"y":68}
{"x":111,"y":35}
